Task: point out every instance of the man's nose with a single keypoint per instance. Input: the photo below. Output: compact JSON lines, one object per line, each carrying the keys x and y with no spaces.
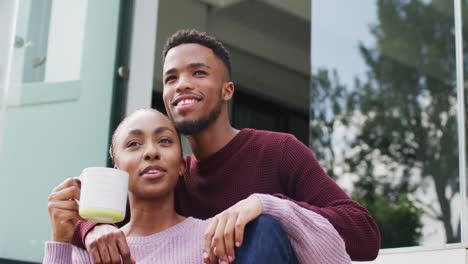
{"x":184,"y":84}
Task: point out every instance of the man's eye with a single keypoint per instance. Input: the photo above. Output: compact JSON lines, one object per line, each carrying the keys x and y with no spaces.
{"x":170,"y":78}
{"x":199,"y":73}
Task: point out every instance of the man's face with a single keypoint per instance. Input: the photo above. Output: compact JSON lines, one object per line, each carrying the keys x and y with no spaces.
{"x":194,"y":79}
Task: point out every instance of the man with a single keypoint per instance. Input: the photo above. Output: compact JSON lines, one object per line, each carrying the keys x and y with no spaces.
{"x":228,"y":165}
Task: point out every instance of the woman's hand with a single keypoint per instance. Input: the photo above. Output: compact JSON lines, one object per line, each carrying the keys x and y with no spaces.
{"x":227,"y":230}
{"x":63,"y":210}
{"x":107,"y":244}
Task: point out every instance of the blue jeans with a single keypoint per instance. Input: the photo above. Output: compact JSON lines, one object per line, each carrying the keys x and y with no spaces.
{"x":265,"y":242}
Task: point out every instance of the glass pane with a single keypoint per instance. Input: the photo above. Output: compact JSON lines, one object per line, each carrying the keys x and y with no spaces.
{"x":46,"y":48}
{"x":269,"y":43}
{"x":383,"y":112}
{"x":464,"y":15}
{"x":7,"y":20}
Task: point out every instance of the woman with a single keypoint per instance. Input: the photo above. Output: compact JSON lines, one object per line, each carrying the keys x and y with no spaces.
{"x":148,"y":147}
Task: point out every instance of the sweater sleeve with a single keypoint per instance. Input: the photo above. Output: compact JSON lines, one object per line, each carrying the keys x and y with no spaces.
{"x":64,"y":253}
{"x":310,"y":187}
{"x":81,"y":230}
{"x":312,"y":237}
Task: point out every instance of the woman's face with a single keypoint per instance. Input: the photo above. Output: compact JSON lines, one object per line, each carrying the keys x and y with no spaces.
{"x":147,"y":146}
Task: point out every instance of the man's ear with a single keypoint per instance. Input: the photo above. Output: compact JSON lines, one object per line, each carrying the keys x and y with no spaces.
{"x":228,"y":91}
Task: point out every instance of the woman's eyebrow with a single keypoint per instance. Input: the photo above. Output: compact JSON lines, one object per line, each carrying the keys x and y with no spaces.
{"x":158,"y":130}
{"x":161,"y":129}
{"x":135,"y":132}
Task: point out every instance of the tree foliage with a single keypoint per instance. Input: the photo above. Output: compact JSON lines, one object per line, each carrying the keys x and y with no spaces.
{"x":402,"y":119}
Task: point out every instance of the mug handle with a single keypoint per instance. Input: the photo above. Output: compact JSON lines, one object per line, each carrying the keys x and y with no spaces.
{"x":79,"y":179}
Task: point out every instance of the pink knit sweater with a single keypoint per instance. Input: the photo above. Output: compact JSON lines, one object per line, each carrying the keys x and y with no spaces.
{"x":182,"y":243}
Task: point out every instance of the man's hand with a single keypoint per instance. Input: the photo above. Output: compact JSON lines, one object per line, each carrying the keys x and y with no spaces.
{"x":107,"y":244}
{"x":227,"y":230}
{"x":63,"y":210}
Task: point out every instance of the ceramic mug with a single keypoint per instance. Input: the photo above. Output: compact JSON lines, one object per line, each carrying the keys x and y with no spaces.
{"x":103,"y":196}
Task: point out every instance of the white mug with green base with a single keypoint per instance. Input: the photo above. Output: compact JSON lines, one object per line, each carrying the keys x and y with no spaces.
{"x":103,"y":196}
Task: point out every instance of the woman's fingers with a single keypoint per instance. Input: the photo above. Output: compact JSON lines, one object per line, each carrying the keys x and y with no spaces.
{"x":68,"y":190}
{"x":229,"y":236}
{"x":104,"y":253}
{"x":226,"y":231}
{"x":124,"y":251}
{"x":107,"y":244}
{"x":69,"y":205}
{"x":208,"y":238}
{"x":239,"y":228}
{"x":67,"y":183}
{"x":60,"y":216}
{"x":218,"y":239}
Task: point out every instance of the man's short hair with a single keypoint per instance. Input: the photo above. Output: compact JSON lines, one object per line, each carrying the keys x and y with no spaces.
{"x":187,"y":36}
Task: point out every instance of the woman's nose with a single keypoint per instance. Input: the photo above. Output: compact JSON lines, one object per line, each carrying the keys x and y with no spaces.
{"x":151,"y":152}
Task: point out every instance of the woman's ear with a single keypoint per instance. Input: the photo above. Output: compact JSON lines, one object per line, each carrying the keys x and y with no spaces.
{"x":182,"y":167}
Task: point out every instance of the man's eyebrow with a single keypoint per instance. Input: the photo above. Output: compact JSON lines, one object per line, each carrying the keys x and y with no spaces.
{"x":197,"y":65}
{"x":170,"y":71}
{"x":190,"y":66}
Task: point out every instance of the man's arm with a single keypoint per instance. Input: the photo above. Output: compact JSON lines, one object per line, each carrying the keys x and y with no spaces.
{"x":82,"y":228}
{"x":309,"y":186}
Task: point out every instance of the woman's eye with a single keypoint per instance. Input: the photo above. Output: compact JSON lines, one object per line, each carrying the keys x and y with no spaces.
{"x":132,"y":144}
{"x":165,"y":141}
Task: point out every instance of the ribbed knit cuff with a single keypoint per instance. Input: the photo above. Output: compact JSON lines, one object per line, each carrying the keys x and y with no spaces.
{"x":57,"y":253}
{"x":271,"y":204}
{"x":313,"y":238}
{"x":81,"y":230}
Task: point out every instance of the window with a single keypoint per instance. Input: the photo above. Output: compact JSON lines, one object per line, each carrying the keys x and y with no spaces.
{"x":384,"y":112}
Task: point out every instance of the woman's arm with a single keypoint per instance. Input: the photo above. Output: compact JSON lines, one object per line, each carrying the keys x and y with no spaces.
{"x":64,"y":253}
{"x":312,"y":237}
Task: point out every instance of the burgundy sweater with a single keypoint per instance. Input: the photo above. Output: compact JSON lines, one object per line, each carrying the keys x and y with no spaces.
{"x":257,"y":161}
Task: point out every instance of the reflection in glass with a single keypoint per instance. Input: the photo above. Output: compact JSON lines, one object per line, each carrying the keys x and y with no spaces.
{"x":48,"y":41}
{"x":383,"y":113}
{"x":464,"y":16}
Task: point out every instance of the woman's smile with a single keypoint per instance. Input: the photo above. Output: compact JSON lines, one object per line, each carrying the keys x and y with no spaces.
{"x":153,"y":172}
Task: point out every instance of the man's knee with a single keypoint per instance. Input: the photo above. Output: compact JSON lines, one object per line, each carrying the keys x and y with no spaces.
{"x":268,"y":231}
{"x":265,"y":227}
{"x":267,"y":222}
{"x":265,"y":241}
